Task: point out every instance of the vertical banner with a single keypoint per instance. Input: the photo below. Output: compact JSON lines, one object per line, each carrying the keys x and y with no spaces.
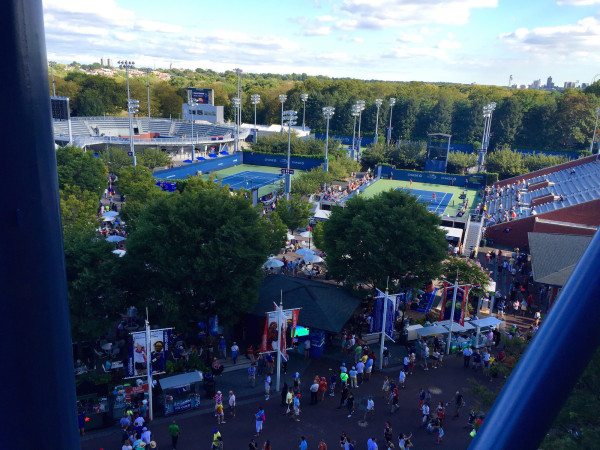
{"x":392,"y":301}
{"x":270,"y":332}
{"x":160,"y":341}
{"x":460,"y":308}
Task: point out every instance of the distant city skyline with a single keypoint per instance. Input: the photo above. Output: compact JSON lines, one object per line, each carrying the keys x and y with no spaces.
{"x":462,"y":41}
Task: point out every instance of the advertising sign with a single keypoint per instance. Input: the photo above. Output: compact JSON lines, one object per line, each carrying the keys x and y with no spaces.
{"x":270,"y":333}
{"x":460,"y":308}
{"x":139,"y":354}
{"x":201,"y":96}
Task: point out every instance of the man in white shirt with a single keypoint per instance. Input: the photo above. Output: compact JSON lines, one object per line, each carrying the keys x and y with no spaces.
{"x":306,"y":348}
{"x":370,"y":408}
{"x":425,"y":412}
{"x":267,"y":387}
{"x":314,"y":389}
{"x":232,"y":403}
{"x":402,"y":378}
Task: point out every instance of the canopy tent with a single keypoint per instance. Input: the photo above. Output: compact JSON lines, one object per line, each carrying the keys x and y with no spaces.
{"x":322,"y":214}
{"x":110,"y":214}
{"x":273,"y":263}
{"x":458,"y":328}
{"x":304,"y":252}
{"x":431,"y":330}
{"x":119,"y":253}
{"x":453,"y":233}
{"x":180,"y":380}
{"x":486,"y":322}
{"x":312,"y":259}
{"x":289,"y":236}
{"x":115,"y":238}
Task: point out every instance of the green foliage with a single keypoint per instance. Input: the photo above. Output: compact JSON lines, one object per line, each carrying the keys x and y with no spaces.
{"x":318,"y":234}
{"x":80,"y":169}
{"x":506,"y":163}
{"x":459,"y":162}
{"x":138,"y":186}
{"x":116,"y":159}
{"x":468,"y":272}
{"x":294,"y":213}
{"x":340,"y":167}
{"x":278,"y":143}
{"x":191,"y":248}
{"x":78,"y":209}
{"x":540,"y":161}
{"x":276,"y":230}
{"x":388,"y":235}
{"x":491,"y":177}
{"x":153,"y":158}
{"x":309,"y":182}
{"x":404,"y":155}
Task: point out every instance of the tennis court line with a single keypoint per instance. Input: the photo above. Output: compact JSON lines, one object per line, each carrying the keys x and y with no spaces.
{"x":442,"y":203}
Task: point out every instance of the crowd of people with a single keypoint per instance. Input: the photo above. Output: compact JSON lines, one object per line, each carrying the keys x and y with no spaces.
{"x":336,"y":192}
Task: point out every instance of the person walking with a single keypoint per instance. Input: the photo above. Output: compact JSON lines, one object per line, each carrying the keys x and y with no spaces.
{"x":350,"y":404}
{"x":284,"y":392}
{"x":344,"y":396}
{"x":370,"y":408}
{"x":252,"y":375}
{"x":353,"y":377}
{"x":314,"y":389}
{"x":459,"y":402}
{"x":174,"y":432}
{"x":259,"y":418}
{"x":425,"y":411}
{"x":360,"y":369}
{"x":386,"y":389}
{"x":253,"y":445}
{"x":303,"y":444}
{"x":368,"y":368}
{"x":235,"y":351}
{"x":297,"y":407}
{"x":232,"y":404}
{"x":402,"y":378}
{"x":467,"y":353}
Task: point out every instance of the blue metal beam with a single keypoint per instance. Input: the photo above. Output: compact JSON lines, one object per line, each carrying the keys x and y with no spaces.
{"x":553,"y":362}
{"x":37,"y":378}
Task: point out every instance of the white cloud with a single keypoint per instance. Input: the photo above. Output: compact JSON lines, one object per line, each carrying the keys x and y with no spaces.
{"x":578,"y":2}
{"x":442,"y":50}
{"x":317,"y":31}
{"x":374,"y":14}
{"x":579,"y":40}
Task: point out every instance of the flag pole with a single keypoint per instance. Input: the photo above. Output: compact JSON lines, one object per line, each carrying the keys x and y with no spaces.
{"x":279,"y":337}
{"x":382,"y":342}
{"x":149,"y":367}
{"x":452,"y":315}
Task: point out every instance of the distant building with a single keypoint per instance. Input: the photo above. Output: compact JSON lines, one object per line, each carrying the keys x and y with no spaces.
{"x":536,"y":84}
{"x":522,"y":86}
{"x":584,"y":85}
{"x":549,"y":83}
{"x":570,"y":84}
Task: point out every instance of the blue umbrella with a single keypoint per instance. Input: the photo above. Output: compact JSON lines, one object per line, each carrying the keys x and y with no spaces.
{"x":187,"y":160}
{"x":115,"y":238}
{"x":110,"y":214}
{"x":304,"y":252}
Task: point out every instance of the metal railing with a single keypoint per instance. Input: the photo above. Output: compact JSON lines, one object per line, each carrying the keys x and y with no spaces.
{"x":553,"y":362}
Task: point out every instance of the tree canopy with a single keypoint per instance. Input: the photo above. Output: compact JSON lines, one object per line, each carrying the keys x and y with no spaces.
{"x":195,"y":247}
{"x":390,"y":234}
{"x":78,"y":168}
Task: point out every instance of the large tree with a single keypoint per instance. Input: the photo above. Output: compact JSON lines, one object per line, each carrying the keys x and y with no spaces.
{"x":78,"y":168}
{"x":197,"y":248}
{"x":294,"y":213}
{"x":389,"y":235}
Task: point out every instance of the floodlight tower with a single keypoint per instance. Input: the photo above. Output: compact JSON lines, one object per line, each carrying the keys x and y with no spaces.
{"x":192,"y":101}
{"x":289,"y":118}
{"x":282,"y":99}
{"x":328,"y":112}
{"x":361,"y":107}
{"x":378,"y":103}
{"x":239,"y":95}
{"x":392,"y":102}
{"x":237,"y":103}
{"x":488,"y":110}
{"x":255,"y":99}
{"x":132,"y":106}
{"x":355,"y":113}
{"x":303,"y":97}
{"x":148,"y":71}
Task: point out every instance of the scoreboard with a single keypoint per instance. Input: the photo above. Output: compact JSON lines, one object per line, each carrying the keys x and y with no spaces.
{"x":60,"y":108}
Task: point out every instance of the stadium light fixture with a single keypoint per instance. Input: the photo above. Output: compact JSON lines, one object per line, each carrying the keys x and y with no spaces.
{"x":488,"y":110}
{"x":132,"y":108}
{"x":289,"y":118}
{"x":191,"y":102}
{"x":237,"y":103}
{"x":378,"y":103}
{"x":148,"y":72}
{"x":361,"y":107}
{"x":304,"y":98}
{"x":239,"y":95}
{"x":125,"y":64}
{"x":355,"y":113}
{"x":328,"y":112}
{"x":255,"y":99}
{"x":282,"y":99}
{"x":595,"y":129}
{"x":392,"y":102}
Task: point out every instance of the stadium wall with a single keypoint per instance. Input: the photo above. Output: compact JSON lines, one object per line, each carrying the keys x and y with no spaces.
{"x":273,"y":160}
{"x":477,"y":181}
{"x":209,"y":165}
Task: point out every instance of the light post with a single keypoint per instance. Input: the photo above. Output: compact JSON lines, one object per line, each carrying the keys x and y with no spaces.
{"x":595,"y":128}
{"x":290,"y":118}
{"x":192,"y":101}
{"x":378,"y":103}
{"x":328,"y":112}
{"x":148,"y":88}
{"x":355,"y":113}
{"x":361,"y":107}
{"x":303,"y":97}
{"x":131,"y":105}
{"x":255,"y":99}
{"x":237,"y":103}
{"x":389,"y":133}
{"x":239,"y":95}
{"x":485,"y":142}
{"x":282,"y":99}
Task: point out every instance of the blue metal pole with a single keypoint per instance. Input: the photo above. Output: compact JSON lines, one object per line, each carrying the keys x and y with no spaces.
{"x":555,"y":359}
{"x":37,"y":377}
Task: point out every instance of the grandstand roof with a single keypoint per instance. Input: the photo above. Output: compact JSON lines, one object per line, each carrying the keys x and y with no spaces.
{"x":554,"y":256}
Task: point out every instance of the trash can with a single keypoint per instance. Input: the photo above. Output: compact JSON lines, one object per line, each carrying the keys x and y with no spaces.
{"x":317,"y":343}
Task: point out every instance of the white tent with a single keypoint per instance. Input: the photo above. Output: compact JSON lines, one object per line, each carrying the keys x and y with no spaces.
{"x":273,"y":263}
{"x":431,"y":330}
{"x":486,"y":322}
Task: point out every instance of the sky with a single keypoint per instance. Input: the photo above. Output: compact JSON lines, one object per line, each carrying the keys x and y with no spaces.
{"x":463,"y":41}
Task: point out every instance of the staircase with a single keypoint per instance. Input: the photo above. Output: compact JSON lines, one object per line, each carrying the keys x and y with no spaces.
{"x":473,"y":235}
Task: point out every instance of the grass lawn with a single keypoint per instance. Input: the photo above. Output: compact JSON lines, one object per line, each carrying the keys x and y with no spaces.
{"x":451,"y":209}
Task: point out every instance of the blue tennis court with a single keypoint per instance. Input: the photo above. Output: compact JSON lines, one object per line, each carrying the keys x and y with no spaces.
{"x":249,"y":180}
{"x":435,"y":202}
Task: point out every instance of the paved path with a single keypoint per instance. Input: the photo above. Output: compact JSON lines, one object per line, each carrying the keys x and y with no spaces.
{"x":322,"y":421}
